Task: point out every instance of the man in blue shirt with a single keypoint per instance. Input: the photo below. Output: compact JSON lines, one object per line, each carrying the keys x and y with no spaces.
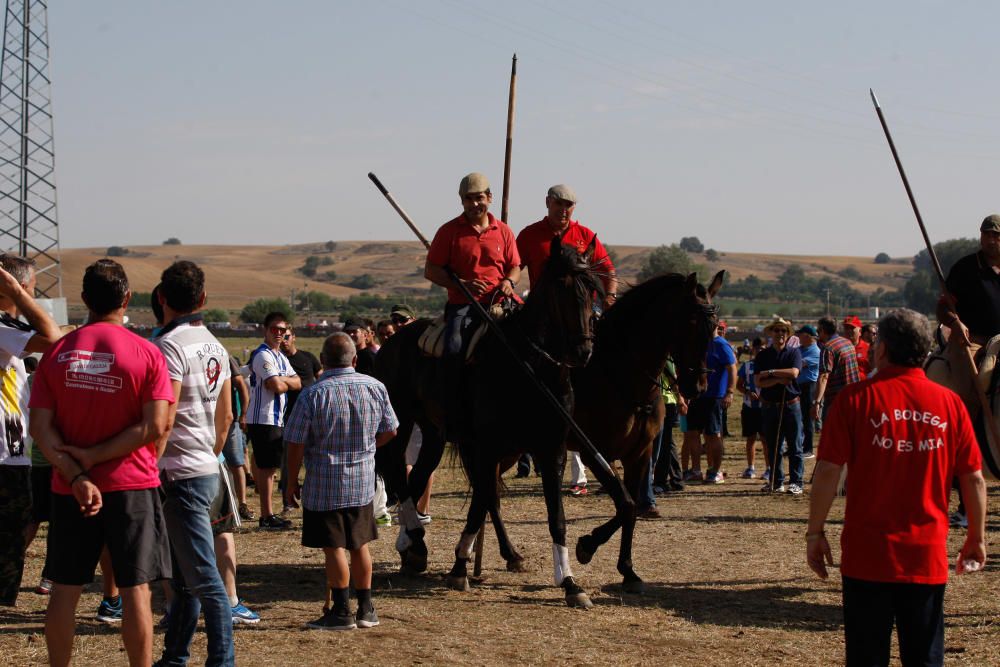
{"x":705,"y":414}
{"x":776,"y":371}
{"x":336,"y":426}
{"x":809,"y":350}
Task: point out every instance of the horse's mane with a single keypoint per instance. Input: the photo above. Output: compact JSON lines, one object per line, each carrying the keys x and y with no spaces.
{"x":638,"y":298}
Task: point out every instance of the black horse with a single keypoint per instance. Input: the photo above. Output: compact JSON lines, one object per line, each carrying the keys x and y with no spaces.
{"x":507,"y":414}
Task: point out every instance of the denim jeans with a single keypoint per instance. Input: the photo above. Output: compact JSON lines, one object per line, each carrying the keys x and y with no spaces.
{"x":458,"y":320}
{"x":197,"y":583}
{"x":808,"y":425}
{"x":791,"y":431}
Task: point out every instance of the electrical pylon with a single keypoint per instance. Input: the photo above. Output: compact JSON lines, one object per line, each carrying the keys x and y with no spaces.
{"x":28,"y":222}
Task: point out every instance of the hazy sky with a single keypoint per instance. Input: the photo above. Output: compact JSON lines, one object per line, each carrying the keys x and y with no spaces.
{"x":746,"y":124}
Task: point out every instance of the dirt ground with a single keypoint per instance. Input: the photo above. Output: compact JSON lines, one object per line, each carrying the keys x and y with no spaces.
{"x":725,"y":568}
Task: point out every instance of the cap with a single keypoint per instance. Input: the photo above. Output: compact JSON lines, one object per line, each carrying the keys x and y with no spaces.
{"x":403,"y":310}
{"x":474,"y":182}
{"x":991,"y":223}
{"x":563,"y":192}
{"x":808,"y":329}
{"x":351,"y":325}
{"x":722,"y":324}
{"x":779,"y":323}
{"x":852,"y":321}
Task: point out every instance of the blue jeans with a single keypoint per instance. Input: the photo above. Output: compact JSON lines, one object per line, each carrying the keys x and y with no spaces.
{"x":196,"y":582}
{"x":458,"y":321}
{"x":791,"y":431}
{"x":233,"y":450}
{"x":806,"y":390}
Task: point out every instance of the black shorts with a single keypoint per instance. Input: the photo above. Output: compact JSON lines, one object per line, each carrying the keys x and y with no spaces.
{"x":41,"y":493}
{"x":267,"y":443}
{"x":705,"y":415}
{"x":751,"y":421}
{"x":222,"y":512}
{"x":132,"y":525}
{"x":346,"y":528}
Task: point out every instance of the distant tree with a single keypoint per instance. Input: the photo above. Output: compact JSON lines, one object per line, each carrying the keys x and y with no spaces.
{"x":692,"y":244}
{"x":254,"y":313}
{"x":173,"y":240}
{"x":850,"y":273}
{"x":364,"y":281}
{"x":331,"y":275}
{"x":116,"y":251}
{"x":330,"y":246}
{"x":140,"y":300}
{"x":739,"y":311}
{"x":712,"y":255}
{"x":215,"y":315}
{"x":309,"y":268}
{"x":921,"y":290}
{"x":326,"y":261}
{"x":667,"y":259}
{"x":315,"y":300}
{"x":882,"y":258}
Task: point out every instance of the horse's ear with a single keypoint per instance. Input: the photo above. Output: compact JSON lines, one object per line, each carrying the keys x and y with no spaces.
{"x":588,"y":254}
{"x":716,"y":285}
{"x":691,"y":284}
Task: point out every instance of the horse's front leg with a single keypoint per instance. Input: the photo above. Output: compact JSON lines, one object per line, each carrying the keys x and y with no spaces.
{"x":587,"y":545}
{"x":636,"y":474}
{"x":553,"y":464}
{"x":458,"y":577}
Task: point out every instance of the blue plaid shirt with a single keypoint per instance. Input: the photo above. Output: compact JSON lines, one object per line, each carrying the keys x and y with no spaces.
{"x":337,"y":420}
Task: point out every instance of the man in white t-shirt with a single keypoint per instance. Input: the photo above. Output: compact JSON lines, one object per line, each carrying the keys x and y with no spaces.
{"x":189,"y":466}
{"x":17,"y":284}
{"x":271,"y":378}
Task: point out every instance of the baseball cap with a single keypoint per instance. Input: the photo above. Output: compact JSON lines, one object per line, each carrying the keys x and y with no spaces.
{"x":474,"y":182}
{"x":808,"y":329}
{"x":991,"y":223}
{"x":722,"y":324}
{"x":403,"y":311}
{"x":563,"y":192}
{"x":852,"y":321}
{"x":351,"y":325}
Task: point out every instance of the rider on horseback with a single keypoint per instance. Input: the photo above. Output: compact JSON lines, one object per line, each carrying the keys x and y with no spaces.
{"x":971,"y":308}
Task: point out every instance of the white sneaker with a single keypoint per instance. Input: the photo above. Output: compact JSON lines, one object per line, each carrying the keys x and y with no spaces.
{"x":749,"y":473}
{"x":795,"y":489}
{"x":767,"y":488}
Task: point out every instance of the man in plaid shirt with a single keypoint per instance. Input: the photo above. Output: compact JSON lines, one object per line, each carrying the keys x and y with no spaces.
{"x":335,"y":427}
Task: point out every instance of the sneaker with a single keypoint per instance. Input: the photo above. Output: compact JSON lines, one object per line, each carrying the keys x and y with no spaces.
{"x":659,"y":490}
{"x":424,"y":519}
{"x":331,"y":620}
{"x":246,"y":513}
{"x":578,"y":490}
{"x":715,"y":478}
{"x":749,"y":473}
{"x":808,"y":455}
{"x":767,"y":475}
{"x":273,"y":522}
{"x":383,"y":520}
{"x":242,"y":614}
{"x":958,"y":520}
{"x":693,"y":476}
{"x":794,"y":489}
{"x":676,"y":486}
{"x":368,"y":619}
{"x":110,"y":611}
{"x":767,"y":488}
{"x":44,"y":586}
{"x":521,"y":474}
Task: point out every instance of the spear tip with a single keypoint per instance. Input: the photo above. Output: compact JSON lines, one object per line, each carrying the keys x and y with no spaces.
{"x":874,"y":99}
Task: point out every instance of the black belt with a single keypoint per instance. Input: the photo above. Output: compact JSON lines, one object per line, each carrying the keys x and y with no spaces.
{"x":772,"y":404}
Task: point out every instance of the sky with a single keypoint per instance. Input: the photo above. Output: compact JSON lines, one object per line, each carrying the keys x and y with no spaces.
{"x":748,"y":125}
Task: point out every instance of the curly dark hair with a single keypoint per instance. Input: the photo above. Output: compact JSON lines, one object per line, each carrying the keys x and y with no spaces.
{"x":182,"y":284}
{"x":907,"y":336}
{"x":105,"y":286}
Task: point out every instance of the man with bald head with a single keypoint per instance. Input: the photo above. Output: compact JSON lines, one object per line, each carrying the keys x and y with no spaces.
{"x":335,"y":427}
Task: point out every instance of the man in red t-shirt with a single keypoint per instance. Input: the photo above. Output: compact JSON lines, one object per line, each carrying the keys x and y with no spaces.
{"x":534,"y":243}
{"x":904,"y":438}
{"x":852,"y":332}
{"x":99,"y":405}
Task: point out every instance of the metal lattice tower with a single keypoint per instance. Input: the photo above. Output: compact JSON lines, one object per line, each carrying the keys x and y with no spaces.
{"x":28,"y":222}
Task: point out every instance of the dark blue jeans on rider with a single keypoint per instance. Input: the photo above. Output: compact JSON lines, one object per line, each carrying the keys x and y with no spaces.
{"x":791,"y":432}
{"x":458,"y":319}
{"x":197,"y":584}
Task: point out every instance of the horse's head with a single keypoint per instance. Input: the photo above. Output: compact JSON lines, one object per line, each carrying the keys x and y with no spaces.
{"x":562,"y":304}
{"x":700,"y":317}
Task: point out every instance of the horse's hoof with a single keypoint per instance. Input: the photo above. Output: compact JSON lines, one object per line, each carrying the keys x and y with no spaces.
{"x":458,"y":583}
{"x":516,"y":565}
{"x":583,"y":554}
{"x":579,"y":600}
{"x":637,"y":586}
{"x":415,"y":562}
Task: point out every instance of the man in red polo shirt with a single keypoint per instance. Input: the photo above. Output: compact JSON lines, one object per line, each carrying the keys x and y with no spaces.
{"x":904,"y":438}
{"x":852,"y":332}
{"x":535,"y":241}
{"x":482,"y":253}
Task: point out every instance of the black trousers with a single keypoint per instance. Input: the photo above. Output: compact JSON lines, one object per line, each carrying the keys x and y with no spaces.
{"x":871,"y":607}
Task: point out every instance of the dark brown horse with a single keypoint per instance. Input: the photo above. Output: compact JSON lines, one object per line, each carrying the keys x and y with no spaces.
{"x":507,"y":414}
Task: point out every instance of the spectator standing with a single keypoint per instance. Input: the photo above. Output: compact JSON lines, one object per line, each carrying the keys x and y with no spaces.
{"x":17,"y":285}
{"x":904,"y":438}
{"x":307,"y":367}
{"x":667,"y":473}
{"x":705,"y":414}
{"x":775,"y":372}
{"x":366,"y":354}
{"x":105,"y":487}
{"x":401,"y":315}
{"x":271,"y":378}
{"x":335,"y":428}
{"x":809,"y":351}
{"x":838,"y":367}
{"x":852,"y":332}
{"x":750,"y":412}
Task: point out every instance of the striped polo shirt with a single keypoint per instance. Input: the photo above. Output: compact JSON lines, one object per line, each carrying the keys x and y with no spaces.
{"x":266,"y":407}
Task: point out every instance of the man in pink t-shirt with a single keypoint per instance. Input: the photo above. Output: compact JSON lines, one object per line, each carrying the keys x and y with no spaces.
{"x":903,"y":438}
{"x":99,"y":406}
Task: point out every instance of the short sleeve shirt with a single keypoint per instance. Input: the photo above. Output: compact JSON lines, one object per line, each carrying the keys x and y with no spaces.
{"x":771,"y":359}
{"x":96,"y":381}
{"x":488,"y":255}
{"x":534,"y":244}
{"x":307,"y":367}
{"x":266,"y":407}
{"x":13,"y":396}
{"x":810,"y":364}
{"x":861,"y":351}
{"x":903,"y":439}
{"x":976,"y":286}
{"x":839,"y":359}
{"x":720,"y":355}
{"x":745,"y":373}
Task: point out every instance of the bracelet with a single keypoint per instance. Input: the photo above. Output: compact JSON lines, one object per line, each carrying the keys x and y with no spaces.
{"x":512,"y":283}
{"x":82,"y":473}
{"x":812,"y":537}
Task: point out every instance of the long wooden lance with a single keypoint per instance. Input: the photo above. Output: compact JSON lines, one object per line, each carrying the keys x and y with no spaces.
{"x":498,"y":332}
{"x":511,"y":98}
{"x":984,"y":404}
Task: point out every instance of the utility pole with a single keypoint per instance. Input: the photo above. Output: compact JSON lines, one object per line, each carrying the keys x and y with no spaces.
{"x":28,"y":222}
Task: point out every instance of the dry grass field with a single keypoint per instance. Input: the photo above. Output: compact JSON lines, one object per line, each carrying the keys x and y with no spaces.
{"x":727,"y":585}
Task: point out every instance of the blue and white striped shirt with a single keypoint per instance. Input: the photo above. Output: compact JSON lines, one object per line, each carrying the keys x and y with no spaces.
{"x":266,"y":407}
{"x":337,"y":420}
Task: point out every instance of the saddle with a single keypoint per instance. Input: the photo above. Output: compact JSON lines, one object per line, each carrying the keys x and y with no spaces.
{"x":431,"y":341}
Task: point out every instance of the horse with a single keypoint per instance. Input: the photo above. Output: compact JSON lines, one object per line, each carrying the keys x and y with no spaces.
{"x":507,"y":414}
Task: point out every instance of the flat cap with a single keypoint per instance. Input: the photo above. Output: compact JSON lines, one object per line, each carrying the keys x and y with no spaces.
{"x":473,"y":183}
{"x":402,"y":310}
{"x":990,"y":224}
{"x":562,"y":191}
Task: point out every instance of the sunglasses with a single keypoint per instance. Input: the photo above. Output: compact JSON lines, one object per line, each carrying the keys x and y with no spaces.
{"x":280,"y":330}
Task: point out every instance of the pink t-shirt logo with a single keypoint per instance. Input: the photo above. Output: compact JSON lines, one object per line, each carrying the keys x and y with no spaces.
{"x":90,"y":368}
